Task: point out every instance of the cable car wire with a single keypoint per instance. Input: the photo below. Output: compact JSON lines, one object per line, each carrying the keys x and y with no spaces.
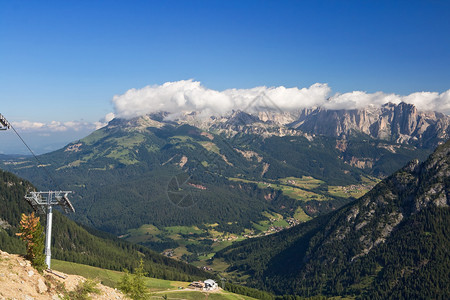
{"x":34,"y":155}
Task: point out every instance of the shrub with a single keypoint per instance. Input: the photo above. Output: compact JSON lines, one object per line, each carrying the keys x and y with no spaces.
{"x":82,"y":291}
{"x":133,"y":285}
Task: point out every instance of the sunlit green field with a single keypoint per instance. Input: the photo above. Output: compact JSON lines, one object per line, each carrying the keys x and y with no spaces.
{"x":111,"y":278}
{"x":355,"y":191}
{"x":301,"y":215}
{"x":306,"y":182}
{"x":195,"y":295}
{"x":296,"y":188}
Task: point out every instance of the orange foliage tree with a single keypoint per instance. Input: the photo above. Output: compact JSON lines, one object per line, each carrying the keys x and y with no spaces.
{"x":32,"y":233}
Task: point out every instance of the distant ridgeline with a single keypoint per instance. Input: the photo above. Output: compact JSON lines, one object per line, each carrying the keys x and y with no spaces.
{"x":394,"y":243}
{"x":73,"y":242}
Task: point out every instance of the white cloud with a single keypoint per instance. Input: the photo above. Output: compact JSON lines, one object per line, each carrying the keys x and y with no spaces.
{"x":171,"y":97}
{"x":28,"y":125}
{"x":426,"y":101}
{"x":56,"y":126}
{"x":430,"y":101}
{"x":104,"y":121}
{"x":189,"y":95}
{"x":109,"y":117}
{"x":359,"y":99}
{"x":44,"y":137}
{"x":282,"y":98}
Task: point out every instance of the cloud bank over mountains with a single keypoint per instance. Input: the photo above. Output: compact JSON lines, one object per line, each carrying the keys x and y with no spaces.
{"x":190,"y":95}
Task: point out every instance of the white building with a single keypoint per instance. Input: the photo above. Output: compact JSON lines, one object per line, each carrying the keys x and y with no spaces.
{"x":210,"y":285}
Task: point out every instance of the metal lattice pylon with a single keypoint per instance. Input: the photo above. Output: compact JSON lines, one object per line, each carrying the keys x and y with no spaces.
{"x":43,"y":202}
{"x":4,"y":124}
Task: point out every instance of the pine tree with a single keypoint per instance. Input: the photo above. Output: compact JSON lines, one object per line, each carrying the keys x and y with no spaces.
{"x":133,"y":285}
{"x":32,"y":233}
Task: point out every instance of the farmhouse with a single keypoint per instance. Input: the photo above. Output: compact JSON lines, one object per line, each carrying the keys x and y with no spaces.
{"x":207,"y":285}
{"x":210,"y":285}
{"x":197,"y":285}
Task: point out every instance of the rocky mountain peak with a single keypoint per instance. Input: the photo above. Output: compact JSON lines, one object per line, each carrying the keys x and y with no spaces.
{"x":241,"y":118}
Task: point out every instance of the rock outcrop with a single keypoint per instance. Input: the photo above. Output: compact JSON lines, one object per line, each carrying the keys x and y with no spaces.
{"x":19,"y":280}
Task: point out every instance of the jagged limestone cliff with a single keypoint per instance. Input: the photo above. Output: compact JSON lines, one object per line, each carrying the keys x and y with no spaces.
{"x":401,"y":123}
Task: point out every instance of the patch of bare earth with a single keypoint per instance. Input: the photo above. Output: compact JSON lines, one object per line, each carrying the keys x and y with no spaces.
{"x":19,"y":280}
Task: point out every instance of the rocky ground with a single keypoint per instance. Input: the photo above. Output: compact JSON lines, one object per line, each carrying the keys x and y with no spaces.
{"x":19,"y":280}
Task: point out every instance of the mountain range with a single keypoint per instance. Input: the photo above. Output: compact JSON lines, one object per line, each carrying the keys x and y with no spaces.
{"x":399,"y":123}
{"x":157,"y":179}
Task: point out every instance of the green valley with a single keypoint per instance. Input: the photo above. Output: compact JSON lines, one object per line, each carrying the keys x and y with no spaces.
{"x":197,"y":244}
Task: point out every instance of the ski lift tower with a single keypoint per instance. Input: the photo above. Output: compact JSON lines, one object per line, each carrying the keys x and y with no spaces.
{"x":4,"y":124}
{"x":43,"y":202}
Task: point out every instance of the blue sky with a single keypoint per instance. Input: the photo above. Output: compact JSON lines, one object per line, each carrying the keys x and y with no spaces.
{"x":65,"y":60}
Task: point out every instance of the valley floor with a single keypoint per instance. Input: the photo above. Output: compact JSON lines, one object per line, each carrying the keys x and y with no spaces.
{"x":198,"y":244}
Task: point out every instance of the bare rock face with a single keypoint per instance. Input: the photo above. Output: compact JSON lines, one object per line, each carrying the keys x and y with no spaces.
{"x":277,"y":117}
{"x":401,"y":123}
{"x":18,"y":280}
{"x":41,"y":287}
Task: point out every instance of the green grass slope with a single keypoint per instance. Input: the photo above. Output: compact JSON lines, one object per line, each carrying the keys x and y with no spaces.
{"x":157,"y":287}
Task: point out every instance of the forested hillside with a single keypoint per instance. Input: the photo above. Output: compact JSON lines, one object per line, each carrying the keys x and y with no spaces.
{"x":73,"y":242}
{"x":392,"y":243}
